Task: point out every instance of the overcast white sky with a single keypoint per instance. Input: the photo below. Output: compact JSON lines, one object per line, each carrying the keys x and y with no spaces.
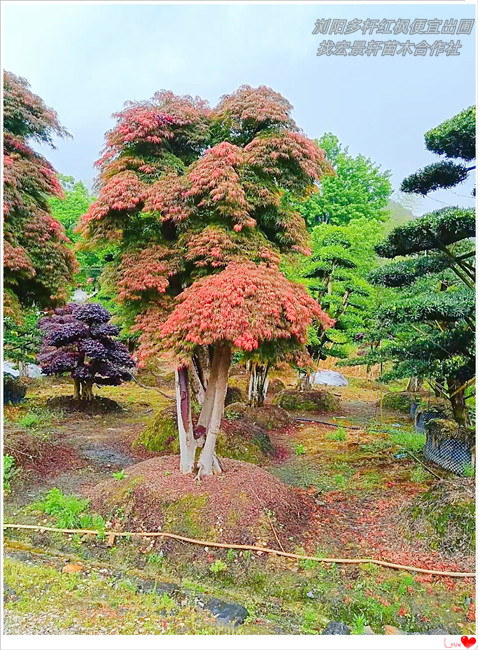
{"x":85,"y":60}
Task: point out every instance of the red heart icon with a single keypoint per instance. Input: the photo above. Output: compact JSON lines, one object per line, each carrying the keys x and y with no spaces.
{"x":468,"y":641}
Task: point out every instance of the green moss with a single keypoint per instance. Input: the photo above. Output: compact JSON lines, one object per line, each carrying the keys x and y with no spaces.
{"x":187,"y":515}
{"x":398,"y":401}
{"x":444,"y":517}
{"x":160,"y":434}
{"x":310,"y":400}
{"x":440,"y":429}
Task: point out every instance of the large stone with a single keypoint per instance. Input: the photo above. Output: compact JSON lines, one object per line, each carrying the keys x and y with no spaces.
{"x":336,"y":627}
{"x":328,"y":378}
{"x":227,"y":613}
{"x":160,"y":434}
{"x":307,"y":400}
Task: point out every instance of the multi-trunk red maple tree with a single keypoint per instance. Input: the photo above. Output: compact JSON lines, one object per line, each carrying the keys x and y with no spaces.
{"x":198,"y":201}
{"x":38,"y":266}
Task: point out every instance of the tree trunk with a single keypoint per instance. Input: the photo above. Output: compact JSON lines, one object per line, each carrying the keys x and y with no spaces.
{"x":87,"y":390}
{"x":76,"y":389}
{"x":414,"y":385}
{"x":258,"y":383}
{"x":187,"y":444}
{"x":22,"y":370}
{"x":305,"y":382}
{"x":198,"y":389}
{"x":458,"y":404}
{"x":214,"y":408}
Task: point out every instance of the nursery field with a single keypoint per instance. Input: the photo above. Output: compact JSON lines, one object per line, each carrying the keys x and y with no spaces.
{"x":180,"y":453}
{"x":352,"y":478}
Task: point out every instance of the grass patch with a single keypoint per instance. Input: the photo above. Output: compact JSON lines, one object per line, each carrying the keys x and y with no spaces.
{"x":339,"y":435}
{"x":69,"y":511}
{"x":9,"y":472}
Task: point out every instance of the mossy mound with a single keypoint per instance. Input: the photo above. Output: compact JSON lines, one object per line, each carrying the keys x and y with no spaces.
{"x":161,"y":433}
{"x":399,"y":401}
{"x":443,"y":517}
{"x":307,"y":400}
{"x":244,"y":504}
{"x":441,"y":429}
{"x":243,"y":440}
{"x":234,"y":394}
{"x":268,"y":417}
{"x":239,"y":437}
{"x":94,"y":406}
{"x":275,"y":386}
{"x":438,"y":408}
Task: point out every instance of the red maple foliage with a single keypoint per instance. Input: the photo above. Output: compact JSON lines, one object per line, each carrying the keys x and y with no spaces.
{"x":206,"y":187}
{"x":38,"y":266}
{"x":246,"y":304}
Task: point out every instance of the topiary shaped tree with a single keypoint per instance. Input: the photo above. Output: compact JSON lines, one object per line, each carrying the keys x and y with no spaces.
{"x":80,"y":340}
{"x":454,"y":138}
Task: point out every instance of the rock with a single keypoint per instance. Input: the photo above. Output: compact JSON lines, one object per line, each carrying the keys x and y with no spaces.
{"x":227,"y":613}
{"x":438,"y":631}
{"x":391,"y":630}
{"x":336,"y":627}
{"x":150,"y":586}
{"x":14,"y":390}
{"x":307,"y":400}
{"x":72,"y":568}
{"x":328,"y":378}
{"x":368,"y":630}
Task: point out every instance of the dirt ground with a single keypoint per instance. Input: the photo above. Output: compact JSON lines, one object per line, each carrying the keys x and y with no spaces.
{"x":353,"y":471}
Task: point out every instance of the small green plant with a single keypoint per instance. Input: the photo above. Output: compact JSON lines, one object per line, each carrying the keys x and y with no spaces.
{"x":299,"y":449}
{"x":419,"y":475}
{"x":156,"y":558}
{"x":9,"y":472}
{"x":69,"y":511}
{"x":359,"y":624}
{"x":30,"y":420}
{"x":338,"y":436}
{"x":468,"y":470}
{"x":218,"y":567}
{"x":231,"y":554}
{"x":119,"y":476}
{"x":371,"y":480}
{"x":310,"y":618}
{"x":307,"y":565}
{"x":232,"y":415}
{"x":166,"y":602}
{"x":339,"y":481}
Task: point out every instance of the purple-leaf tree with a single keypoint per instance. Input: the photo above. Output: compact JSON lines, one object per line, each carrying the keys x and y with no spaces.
{"x":78,"y":339}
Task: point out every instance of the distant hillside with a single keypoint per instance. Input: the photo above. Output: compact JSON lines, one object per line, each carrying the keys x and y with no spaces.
{"x":399,"y":215}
